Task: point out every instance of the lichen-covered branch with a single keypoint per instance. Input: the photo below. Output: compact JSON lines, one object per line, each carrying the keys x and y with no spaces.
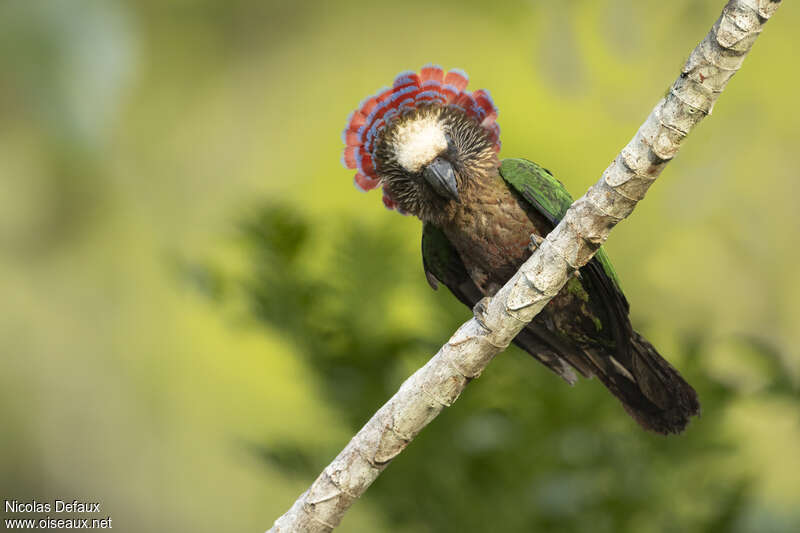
{"x":568,"y":247}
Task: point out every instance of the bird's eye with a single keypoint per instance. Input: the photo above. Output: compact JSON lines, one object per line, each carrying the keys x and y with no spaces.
{"x":450,"y":144}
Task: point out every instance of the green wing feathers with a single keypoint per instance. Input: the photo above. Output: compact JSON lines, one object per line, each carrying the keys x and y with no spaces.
{"x":443,"y":265}
{"x":441,"y":261}
{"x":548,"y":195}
{"x":537,"y":185}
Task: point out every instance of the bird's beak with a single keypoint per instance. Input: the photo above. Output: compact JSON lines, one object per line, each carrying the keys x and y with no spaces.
{"x":439,"y":174}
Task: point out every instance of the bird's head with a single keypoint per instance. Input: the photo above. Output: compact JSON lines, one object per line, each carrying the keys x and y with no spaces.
{"x":424,"y":140}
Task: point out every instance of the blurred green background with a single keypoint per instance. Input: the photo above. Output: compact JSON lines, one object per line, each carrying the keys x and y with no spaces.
{"x":199,"y":309}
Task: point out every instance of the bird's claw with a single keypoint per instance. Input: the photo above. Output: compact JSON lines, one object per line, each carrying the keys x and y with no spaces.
{"x":479,"y":311}
{"x":536,"y":241}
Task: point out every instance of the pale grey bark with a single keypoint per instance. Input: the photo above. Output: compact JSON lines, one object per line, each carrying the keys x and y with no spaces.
{"x":568,"y":247}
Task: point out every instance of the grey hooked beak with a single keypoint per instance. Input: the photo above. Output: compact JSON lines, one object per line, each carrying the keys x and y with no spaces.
{"x":439,"y":173}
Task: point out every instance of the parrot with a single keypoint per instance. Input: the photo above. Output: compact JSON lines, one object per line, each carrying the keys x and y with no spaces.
{"x":433,"y":146}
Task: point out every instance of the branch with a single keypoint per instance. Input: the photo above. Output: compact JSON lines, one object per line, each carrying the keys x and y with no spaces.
{"x":567,"y":248}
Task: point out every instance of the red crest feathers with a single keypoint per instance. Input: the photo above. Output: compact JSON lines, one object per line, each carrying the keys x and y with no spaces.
{"x":410,"y":90}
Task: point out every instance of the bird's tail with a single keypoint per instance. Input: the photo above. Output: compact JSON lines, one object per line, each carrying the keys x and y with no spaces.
{"x":651,"y":390}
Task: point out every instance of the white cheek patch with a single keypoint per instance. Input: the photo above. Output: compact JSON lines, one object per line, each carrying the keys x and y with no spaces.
{"x":418,"y":142}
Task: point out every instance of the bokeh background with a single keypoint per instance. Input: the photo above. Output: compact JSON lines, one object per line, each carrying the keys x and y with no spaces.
{"x":199,"y":309}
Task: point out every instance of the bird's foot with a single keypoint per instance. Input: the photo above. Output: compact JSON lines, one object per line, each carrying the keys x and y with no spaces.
{"x":536,"y":241}
{"x":480,"y":309}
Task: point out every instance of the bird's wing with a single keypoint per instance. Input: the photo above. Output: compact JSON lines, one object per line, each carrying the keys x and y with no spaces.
{"x":443,"y":265}
{"x":547,"y":195}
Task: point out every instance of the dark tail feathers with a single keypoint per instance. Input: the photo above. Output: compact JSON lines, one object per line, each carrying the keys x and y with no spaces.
{"x":658,"y":397}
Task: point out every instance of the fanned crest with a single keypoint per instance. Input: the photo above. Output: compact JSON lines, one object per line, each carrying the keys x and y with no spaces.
{"x":410,"y":90}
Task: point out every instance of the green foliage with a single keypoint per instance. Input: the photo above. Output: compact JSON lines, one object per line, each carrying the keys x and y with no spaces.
{"x":520,"y":448}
